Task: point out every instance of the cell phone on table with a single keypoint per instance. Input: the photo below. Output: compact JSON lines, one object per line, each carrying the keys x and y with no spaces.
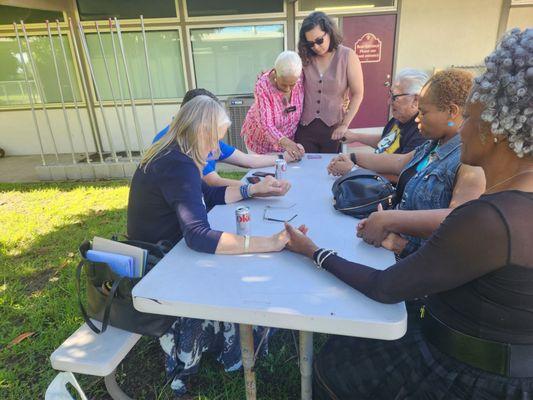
{"x":253,"y":179}
{"x":262,"y":174}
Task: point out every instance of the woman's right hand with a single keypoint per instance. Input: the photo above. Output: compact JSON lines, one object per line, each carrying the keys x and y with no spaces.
{"x":269,"y":186}
{"x":299,"y":242}
{"x":294,"y":150}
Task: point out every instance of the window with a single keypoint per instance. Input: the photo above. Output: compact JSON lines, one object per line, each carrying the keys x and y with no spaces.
{"x":207,"y":8}
{"x":333,"y":6}
{"x":228,"y":60}
{"x":8,"y":15}
{"x":13,"y":87}
{"x":164,"y":55}
{"x":91,"y":10}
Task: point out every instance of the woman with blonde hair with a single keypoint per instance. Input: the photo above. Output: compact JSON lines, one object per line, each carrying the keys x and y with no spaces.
{"x":168,"y":201}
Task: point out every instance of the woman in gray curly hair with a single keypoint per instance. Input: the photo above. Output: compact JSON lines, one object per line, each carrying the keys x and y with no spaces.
{"x":475,"y":337}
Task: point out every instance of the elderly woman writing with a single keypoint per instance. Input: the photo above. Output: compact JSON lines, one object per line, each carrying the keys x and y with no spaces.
{"x":476,"y":337}
{"x":168,"y":201}
{"x":273,"y":118}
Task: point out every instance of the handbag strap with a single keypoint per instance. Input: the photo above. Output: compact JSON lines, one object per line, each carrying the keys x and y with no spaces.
{"x":107,"y":308}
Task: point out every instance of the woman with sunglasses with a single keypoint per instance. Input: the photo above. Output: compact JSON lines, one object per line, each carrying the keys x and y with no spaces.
{"x":331,"y":72}
{"x":476,"y":336}
{"x":271,"y":122}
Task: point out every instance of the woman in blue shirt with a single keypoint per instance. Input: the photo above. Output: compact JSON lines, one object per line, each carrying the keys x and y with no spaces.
{"x":227,"y":153}
{"x":168,"y":201}
{"x":432,"y":181}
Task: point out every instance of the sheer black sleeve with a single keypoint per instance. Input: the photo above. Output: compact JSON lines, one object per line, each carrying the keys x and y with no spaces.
{"x":472,"y":241}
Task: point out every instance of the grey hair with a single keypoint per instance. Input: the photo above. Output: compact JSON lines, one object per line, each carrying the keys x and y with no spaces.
{"x":412,"y":79}
{"x":288,"y":63}
{"x":505,"y":90}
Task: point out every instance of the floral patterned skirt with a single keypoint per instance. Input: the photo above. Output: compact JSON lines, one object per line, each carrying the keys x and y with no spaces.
{"x":188,"y":338}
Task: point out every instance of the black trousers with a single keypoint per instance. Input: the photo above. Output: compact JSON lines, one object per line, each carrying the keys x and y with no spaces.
{"x":316,"y":137}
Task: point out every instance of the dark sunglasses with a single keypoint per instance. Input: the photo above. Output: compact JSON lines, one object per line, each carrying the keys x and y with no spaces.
{"x":317,"y":41}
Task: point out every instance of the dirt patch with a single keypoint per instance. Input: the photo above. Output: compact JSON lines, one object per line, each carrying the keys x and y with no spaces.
{"x":38,"y":281}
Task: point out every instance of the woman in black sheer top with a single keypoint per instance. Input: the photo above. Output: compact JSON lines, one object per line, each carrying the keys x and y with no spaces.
{"x":475,"y":339}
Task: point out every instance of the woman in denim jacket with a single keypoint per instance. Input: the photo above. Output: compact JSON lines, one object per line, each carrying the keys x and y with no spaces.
{"x":432,"y":180}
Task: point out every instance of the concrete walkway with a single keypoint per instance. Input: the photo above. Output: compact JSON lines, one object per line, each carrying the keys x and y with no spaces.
{"x":19,"y":169}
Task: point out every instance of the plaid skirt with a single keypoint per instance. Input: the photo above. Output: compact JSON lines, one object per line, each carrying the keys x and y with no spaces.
{"x":409,"y":368}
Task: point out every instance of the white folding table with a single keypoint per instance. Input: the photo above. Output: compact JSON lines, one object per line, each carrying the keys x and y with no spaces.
{"x":282,"y":290}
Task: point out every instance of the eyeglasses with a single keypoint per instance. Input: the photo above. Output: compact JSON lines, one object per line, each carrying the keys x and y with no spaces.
{"x":268,"y":207}
{"x":394,"y":97}
{"x":317,"y":41}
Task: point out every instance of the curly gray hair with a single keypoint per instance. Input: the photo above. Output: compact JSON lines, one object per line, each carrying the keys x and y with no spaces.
{"x":506,"y":90}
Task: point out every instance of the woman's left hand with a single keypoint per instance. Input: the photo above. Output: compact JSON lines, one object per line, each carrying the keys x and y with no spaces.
{"x":373,"y":230}
{"x":270,"y":186}
{"x":299,"y":242}
{"x":339,"y":132}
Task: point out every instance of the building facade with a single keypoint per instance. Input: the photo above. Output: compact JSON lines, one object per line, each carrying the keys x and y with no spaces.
{"x":123,"y":88}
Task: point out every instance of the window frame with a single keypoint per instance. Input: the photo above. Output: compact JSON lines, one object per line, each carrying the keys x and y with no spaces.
{"x":345,"y":11}
{"x":231,"y":17}
{"x":33,"y":30}
{"x":135,"y":26}
{"x":226,"y":25}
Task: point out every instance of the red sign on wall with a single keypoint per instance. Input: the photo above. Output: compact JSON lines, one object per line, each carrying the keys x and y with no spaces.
{"x":368,"y":48}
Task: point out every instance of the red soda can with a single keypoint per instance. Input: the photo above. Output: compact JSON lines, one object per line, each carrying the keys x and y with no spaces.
{"x":243,"y":218}
{"x":281,"y":167}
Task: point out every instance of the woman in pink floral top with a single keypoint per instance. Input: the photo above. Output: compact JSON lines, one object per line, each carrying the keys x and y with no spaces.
{"x":272,"y":120}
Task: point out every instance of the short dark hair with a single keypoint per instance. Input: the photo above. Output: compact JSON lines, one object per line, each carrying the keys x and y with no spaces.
{"x":317,"y":18}
{"x":191,"y":94}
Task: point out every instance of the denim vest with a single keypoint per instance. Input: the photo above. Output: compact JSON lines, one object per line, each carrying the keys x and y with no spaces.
{"x":432,"y":187}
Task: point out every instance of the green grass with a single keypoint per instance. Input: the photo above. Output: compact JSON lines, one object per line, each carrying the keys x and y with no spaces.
{"x":42,"y":227}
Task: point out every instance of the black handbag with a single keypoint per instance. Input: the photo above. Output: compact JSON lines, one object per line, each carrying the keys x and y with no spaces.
{"x":109,"y":298}
{"x":359,"y":192}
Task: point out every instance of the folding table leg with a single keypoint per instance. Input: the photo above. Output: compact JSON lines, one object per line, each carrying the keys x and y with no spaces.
{"x":306,"y":364}
{"x":247,"y":351}
{"x":113,"y":389}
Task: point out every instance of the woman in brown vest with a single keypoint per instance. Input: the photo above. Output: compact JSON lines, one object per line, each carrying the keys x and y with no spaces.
{"x":331,"y":71}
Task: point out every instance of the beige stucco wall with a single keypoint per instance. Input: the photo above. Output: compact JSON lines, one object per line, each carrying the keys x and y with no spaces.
{"x":437,"y":34}
{"x":521,"y":17}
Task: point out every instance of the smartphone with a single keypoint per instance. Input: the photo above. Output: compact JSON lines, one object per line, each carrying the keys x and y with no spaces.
{"x":253,"y":179}
{"x":262,"y":174}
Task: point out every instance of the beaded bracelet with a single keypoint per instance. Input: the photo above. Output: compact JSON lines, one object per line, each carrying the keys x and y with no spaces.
{"x":245,"y":191}
{"x":320,"y":255}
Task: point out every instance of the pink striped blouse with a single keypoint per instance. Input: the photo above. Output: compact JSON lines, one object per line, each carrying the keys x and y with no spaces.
{"x":270,"y":118}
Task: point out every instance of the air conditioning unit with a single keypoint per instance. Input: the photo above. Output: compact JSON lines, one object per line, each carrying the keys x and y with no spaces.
{"x":238,"y":108}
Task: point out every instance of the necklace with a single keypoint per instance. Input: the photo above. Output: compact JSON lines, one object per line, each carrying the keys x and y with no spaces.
{"x":508,"y":179}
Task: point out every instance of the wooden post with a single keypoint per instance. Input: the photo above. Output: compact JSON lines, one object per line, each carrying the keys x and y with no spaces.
{"x":306,"y":364}
{"x":247,"y":351}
